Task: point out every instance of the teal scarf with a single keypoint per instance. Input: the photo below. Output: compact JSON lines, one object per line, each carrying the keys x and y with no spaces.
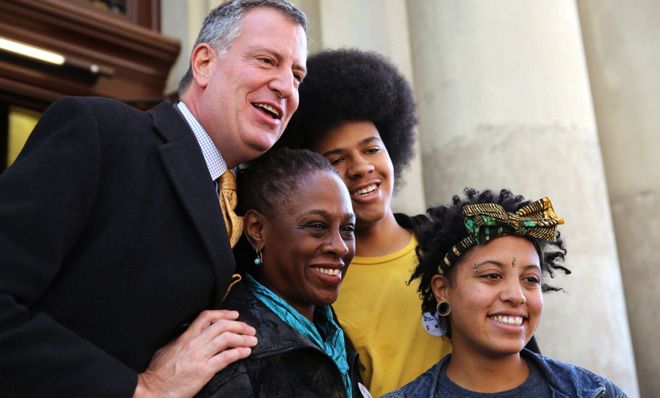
{"x":333,"y":342}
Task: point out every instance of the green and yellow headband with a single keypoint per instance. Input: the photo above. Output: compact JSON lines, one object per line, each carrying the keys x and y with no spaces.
{"x":486,"y":221}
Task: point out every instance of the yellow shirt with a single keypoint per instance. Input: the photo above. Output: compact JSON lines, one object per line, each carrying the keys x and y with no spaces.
{"x":382,"y":316}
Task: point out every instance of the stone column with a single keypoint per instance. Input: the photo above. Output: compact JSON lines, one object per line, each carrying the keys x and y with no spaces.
{"x":505,"y":102}
{"x":376,"y":25}
{"x":623,"y":54}
{"x":182,"y":20}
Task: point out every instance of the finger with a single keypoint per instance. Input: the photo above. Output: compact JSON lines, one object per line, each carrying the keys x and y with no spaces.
{"x":225,"y":326}
{"x":219,"y":336}
{"x":225,"y":358}
{"x":209,"y":317}
{"x":227,"y":341}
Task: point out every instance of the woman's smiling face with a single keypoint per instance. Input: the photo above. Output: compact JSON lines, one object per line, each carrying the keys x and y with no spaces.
{"x":495,"y":295}
{"x":309,"y":242}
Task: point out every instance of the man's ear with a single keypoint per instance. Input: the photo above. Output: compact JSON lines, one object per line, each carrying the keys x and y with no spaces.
{"x":254,"y":224}
{"x":440,"y":285}
{"x":202,"y":61}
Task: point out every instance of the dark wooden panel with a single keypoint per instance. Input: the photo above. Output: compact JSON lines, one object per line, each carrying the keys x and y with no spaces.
{"x":145,"y":13}
{"x":134,"y":61}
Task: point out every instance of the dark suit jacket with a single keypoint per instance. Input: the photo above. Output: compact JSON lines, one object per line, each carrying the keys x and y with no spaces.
{"x":111,"y":241}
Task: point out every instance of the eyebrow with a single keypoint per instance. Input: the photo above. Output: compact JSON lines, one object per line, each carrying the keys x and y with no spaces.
{"x":365,"y":141}
{"x":296,"y":66}
{"x":325,"y":214}
{"x":316,"y":212}
{"x":501,"y":265}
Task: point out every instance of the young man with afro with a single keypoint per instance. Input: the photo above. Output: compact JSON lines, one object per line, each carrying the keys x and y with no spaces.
{"x":358,"y":111}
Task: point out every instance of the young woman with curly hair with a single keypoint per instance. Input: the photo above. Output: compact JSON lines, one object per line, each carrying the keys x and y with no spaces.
{"x":482,"y":266}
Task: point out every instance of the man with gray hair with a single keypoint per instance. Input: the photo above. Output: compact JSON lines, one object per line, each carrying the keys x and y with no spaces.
{"x":116,"y":226}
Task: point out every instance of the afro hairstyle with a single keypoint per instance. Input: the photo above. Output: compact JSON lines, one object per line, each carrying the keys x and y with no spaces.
{"x":349,"y":85}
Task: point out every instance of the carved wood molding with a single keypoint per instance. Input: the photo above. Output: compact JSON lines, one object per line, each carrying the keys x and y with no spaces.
{"x":131,"y":62}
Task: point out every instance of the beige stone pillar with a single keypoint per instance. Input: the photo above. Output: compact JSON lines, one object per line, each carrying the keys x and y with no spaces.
{"x":182,"y":20}
{"x":505,"y":102}
{"x":376,"y":25}
{"x":623,"y":55}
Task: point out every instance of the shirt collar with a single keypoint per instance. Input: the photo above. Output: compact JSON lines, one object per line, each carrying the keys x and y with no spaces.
{"x":212,"y":156}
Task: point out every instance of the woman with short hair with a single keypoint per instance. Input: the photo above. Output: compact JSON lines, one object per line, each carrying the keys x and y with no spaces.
{"x":298,"y":243}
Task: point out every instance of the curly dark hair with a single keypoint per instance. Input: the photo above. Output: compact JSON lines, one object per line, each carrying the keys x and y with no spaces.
{"x":446,"y":228}
{"x":352,"y":85}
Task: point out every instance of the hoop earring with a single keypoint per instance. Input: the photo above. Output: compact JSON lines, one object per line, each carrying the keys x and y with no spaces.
{"x":443,"y":308}
{"x":260,"y":259}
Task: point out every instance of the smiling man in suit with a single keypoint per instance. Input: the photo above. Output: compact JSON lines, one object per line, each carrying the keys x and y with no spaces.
{"x":113,"y":247}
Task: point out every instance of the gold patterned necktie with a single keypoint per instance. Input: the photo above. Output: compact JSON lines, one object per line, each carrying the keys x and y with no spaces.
{"x":228,"y":201}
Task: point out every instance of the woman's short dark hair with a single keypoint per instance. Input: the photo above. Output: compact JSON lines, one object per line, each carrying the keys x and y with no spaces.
{"x":446,"y":228}
{"x":274,"y":178}
{"x":350,"y":85}
{"x":268,"y":183}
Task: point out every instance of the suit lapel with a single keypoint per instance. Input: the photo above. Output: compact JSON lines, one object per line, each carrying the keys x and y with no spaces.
{"x":184,"y":163}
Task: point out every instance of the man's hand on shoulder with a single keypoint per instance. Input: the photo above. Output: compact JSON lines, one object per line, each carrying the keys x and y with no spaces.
{"x":212,"y":342}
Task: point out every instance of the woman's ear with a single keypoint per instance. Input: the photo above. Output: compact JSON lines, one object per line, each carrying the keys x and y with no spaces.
{"x":440,"y":285}
{"x":253,"y":224}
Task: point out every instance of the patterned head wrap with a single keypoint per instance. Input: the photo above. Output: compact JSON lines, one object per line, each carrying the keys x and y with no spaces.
{"x":486,"y":221}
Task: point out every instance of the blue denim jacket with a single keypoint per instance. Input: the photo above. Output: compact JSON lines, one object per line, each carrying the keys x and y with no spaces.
{"x":564,"y":380}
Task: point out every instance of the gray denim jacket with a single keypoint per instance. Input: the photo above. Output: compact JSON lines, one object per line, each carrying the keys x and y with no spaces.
{"x":565,"y":381}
